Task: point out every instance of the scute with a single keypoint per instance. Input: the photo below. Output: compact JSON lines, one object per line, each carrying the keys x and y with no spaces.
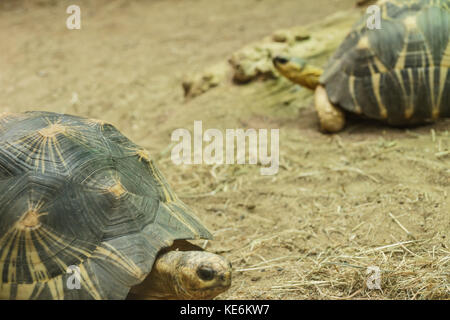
{"x":400,"y":73}
{"x":80,"y":195}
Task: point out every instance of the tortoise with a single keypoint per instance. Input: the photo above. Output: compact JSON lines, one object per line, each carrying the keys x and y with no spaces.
{"x":398,"y":74}
{"x":86,"y":214}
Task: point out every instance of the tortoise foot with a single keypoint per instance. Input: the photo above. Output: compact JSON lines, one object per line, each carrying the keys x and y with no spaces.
{"x":332,"y":119}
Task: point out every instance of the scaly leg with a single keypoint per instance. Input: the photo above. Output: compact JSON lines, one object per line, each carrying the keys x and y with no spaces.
{"x":332,"y":119}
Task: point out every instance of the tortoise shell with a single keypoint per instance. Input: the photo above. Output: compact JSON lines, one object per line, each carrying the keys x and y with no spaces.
{"x":78,"y":196}
{"x":399,"y":73}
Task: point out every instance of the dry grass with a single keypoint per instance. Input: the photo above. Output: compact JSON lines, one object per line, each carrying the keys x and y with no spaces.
{"x":295,"y":236}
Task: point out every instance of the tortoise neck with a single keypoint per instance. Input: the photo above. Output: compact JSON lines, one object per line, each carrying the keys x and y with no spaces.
{"x":308,"y":77}
{"x":161,"y":282}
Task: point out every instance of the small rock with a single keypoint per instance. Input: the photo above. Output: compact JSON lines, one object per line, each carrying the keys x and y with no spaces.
{"x":196,"y":84}
{"x":291,"y":35}
{"x":281,"y":36}
{"x":255,"y":62}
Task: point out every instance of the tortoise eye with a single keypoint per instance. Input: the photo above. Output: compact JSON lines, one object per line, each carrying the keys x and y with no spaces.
{"x":206,"y":273}
{"x":280,"y":60}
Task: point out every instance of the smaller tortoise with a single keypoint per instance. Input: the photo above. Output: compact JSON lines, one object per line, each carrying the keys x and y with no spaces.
{"x":81,"y":202}
{"x":399,"y":74}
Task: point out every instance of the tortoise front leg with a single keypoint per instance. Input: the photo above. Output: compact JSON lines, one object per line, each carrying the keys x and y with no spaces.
{"x":332,"y":119}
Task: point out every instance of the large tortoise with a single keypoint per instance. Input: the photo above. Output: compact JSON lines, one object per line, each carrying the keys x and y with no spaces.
{"x":398,"y":74}
{"x":85,"y":214}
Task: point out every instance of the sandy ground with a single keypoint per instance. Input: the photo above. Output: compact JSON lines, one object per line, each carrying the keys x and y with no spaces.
{"x":308,"y":232}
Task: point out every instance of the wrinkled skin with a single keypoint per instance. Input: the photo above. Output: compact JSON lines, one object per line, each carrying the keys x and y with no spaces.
{"x":187,"y":275}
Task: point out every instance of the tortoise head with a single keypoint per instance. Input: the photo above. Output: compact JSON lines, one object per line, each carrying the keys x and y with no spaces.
{"x":298,"y":71}
{"x":185,"y":275}
{"x":201,"y":275}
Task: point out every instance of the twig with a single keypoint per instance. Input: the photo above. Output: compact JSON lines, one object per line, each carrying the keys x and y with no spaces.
{"x":442,"y":153}
{"x":390,"y":246}
{"x":406,"y":249}
{"x":401,"y":226}
{"x":357,"y":170}
{"x":259,"y":268}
